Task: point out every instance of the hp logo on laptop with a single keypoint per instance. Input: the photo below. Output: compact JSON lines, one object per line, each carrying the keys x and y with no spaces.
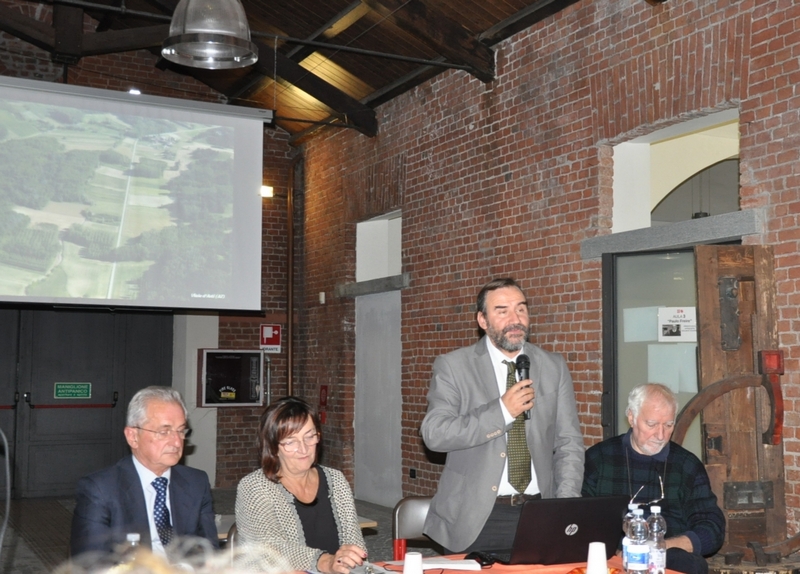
{"x":571,"y":529}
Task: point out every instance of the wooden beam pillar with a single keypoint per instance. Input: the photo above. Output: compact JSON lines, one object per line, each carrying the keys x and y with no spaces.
{"x":68,"y":24}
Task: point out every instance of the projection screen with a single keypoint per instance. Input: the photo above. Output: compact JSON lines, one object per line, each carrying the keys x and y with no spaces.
{"x":113,"y":199}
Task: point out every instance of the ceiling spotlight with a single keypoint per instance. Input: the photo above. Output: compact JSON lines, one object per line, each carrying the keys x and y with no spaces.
{"x":210,"y":34}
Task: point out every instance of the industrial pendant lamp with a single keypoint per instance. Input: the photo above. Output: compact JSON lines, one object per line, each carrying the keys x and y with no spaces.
{"x":210,"y":34}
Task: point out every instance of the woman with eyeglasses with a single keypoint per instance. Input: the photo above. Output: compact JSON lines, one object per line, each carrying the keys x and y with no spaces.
{"x":293,"y":505}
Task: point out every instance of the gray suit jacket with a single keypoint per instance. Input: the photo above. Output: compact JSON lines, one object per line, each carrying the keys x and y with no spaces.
{"x":110,"y":503}
{"x":464,"y":419}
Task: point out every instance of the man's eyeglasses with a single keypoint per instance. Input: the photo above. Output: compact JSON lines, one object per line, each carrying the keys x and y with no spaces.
{"x":164,"y":434}
{"x":656,"y":501}
{"x":293,"y":444}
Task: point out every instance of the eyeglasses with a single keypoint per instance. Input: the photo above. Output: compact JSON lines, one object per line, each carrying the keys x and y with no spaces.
{"x":293,"y":444}
{"x":164,"y":434}
{"x":656,"y":501}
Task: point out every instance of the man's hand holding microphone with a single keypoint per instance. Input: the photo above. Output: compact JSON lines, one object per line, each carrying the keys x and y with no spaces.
{"x":519,"y":398}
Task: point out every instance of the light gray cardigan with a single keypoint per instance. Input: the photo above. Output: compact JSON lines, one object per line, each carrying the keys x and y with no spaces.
{"x":266,"y":517}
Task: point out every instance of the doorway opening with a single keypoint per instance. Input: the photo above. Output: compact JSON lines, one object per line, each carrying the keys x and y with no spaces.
{"x":378,"y":401}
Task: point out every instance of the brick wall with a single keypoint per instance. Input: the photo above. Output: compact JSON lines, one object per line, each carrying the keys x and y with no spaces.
{"x":508,"y":178}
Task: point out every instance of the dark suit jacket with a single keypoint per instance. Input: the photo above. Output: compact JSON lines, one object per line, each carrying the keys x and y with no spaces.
{"x":110,"y":504}
{"x":464,"y":419}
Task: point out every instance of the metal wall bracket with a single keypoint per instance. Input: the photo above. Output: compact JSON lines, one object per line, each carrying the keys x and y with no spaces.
{"x":755,"y":495}
{"x":729,"y":313}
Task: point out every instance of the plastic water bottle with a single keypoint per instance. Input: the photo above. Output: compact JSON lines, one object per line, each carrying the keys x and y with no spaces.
{"x":656,"y":540}
{"x":638,"y":550}
{"x":128,"y":549}
{"x":625,"y":540}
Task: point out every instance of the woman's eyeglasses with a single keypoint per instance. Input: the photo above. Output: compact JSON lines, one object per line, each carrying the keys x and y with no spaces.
{"x":293,"y":444}
{"x":633,"y":499}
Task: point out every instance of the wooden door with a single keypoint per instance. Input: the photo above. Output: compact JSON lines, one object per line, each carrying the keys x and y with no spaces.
{"x":736,"y":315}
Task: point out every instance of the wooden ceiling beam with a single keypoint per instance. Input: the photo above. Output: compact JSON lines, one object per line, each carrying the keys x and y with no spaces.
{"x":440,"y":32}
{"x":167,"y":6}
{"x":30,"y":30}
{"x":66,"y":40}
{"x":68,"y":24}
{"x":535,"y":12}
{"x":338,"y":24}
{"x":355,"y":113}
{"x":127,"y":40}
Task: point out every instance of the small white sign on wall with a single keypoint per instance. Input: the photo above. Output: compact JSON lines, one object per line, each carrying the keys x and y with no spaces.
{"x":677,"y":325}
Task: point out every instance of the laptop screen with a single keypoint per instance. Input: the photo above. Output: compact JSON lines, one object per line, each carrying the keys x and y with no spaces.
{"x":559,"y":530}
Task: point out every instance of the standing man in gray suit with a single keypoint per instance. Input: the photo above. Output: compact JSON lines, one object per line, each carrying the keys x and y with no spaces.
{"x":497,"y":457}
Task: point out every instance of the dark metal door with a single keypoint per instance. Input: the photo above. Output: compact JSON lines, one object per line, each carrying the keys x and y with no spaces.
{"x":74,"y":373}
{"x":9,"y":344}
{"x":60,"y":438}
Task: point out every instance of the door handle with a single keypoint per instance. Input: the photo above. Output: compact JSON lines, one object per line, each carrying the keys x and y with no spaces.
{"x":111,"y":405}
{"x":12,"y":406}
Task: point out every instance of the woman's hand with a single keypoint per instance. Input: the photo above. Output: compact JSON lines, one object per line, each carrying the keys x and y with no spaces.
{"x":347,"y":557}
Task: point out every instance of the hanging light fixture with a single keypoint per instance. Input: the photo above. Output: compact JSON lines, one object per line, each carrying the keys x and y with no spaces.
{"x":210,"y":34}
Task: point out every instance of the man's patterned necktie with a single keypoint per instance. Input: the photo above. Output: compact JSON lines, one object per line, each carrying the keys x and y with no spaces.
{"x":519,"y":457}
{"x":161,"y":512}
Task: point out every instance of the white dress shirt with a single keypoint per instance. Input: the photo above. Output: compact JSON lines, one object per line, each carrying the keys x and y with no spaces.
{"x":501,"y":374}
{"x":147,"y":477}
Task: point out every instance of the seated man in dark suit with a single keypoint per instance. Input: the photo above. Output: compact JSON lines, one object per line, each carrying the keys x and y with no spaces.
{"x":147,"y":493}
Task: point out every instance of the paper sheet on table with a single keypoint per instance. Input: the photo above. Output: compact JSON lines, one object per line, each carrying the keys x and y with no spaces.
{"x":437,"y":563}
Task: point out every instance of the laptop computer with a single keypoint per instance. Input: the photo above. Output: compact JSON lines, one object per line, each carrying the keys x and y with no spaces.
{"x":559,"y":530}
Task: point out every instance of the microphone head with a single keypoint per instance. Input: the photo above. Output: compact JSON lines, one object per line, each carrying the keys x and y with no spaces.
{"x":523,"y":362}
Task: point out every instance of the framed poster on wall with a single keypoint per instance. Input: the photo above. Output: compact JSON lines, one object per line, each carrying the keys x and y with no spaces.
{"x":231,"y":378}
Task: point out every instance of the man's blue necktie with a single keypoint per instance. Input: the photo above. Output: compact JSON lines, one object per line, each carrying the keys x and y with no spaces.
{"x":161,"y":512}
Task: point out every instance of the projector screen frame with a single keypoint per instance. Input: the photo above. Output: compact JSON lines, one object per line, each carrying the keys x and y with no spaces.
{"x":261,"y":114}
{"x":250,"y":272}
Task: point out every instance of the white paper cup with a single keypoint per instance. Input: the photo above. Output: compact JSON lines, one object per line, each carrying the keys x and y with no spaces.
{"x":412,"y":563}
{"x":596,"y":561}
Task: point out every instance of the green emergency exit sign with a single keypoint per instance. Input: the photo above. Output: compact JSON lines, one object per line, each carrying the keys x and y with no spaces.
{"x":72,"y":390}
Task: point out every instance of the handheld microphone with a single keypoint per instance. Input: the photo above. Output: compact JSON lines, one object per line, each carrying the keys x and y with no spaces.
{"x":524,"y":370}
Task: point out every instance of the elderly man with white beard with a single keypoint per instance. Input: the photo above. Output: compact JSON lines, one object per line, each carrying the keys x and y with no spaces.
{"x":645,"y":465}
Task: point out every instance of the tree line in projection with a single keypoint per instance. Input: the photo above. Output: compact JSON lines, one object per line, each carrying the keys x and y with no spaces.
{"x":32,"y":248}
{"x":37,"y":170}
{"x":193,"y":251}
{"x":34,"y":172}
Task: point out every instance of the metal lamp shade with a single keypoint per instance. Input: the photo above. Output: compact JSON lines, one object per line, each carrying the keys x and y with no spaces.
{"x":210,"y":34}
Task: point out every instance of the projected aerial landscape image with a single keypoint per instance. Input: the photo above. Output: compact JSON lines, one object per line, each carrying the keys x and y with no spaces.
{"x":111,"y":207}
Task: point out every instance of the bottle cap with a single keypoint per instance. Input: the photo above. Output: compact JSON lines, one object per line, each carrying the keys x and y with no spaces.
{"x":633,"y":506}
{"x":133,"y":537}
{"x":638,"y":512}
{"x":655,"y":509}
